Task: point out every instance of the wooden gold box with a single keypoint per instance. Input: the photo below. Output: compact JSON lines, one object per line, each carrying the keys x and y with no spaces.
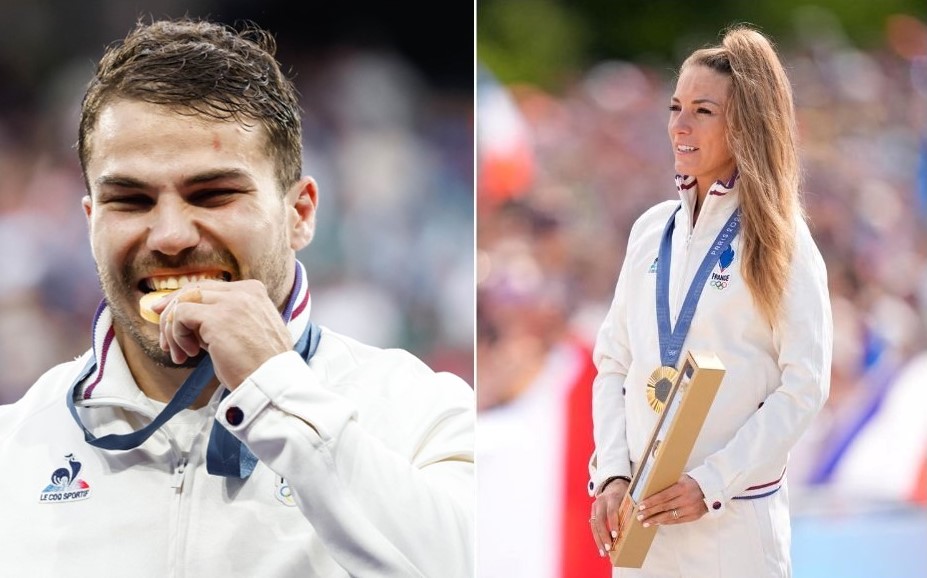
{"x":671,"y":443}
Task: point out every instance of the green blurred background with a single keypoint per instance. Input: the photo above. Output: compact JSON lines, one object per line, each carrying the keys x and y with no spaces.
{"x":546,"y":41}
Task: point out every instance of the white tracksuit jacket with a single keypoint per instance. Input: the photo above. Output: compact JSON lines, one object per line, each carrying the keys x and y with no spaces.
{"x":775,"y":383}
{"x":385,"y":488}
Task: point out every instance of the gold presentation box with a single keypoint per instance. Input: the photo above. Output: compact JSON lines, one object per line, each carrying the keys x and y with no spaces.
{"x":686,"y":406}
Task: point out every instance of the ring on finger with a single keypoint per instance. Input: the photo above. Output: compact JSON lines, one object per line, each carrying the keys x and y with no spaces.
{"x":675,"y":514}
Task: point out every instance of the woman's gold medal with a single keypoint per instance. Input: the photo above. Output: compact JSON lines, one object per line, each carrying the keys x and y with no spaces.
{"x":659,"y":385}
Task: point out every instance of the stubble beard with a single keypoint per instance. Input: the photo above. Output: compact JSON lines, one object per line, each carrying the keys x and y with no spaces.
{"x":271,"y":270}
{"x":118,"y":297}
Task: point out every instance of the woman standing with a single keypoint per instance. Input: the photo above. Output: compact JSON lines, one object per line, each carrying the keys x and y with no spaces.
{"x":731,"y":269}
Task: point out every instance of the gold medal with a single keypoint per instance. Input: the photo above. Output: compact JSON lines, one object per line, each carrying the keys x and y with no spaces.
{"x":659,"y":385}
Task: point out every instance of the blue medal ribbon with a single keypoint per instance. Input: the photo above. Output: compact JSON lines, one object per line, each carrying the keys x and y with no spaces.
{"x":672,"y":339}
{"x":225,"y":454}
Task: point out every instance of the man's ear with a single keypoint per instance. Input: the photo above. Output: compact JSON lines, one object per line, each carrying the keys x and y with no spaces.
{"x":87,"y":203}
{"x":301,"y":202}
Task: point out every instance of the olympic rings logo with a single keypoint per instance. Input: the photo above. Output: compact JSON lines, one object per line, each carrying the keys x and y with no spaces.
{"x":718,"y":284}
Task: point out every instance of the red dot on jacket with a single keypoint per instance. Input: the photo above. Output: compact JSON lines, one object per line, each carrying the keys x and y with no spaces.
{"x":234,"y":415}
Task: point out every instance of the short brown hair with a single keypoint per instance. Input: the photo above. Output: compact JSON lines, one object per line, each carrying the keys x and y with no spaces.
{"x":206,"y":69}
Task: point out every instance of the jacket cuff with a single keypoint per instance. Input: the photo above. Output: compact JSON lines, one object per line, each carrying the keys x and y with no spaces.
{"x":609,"y":480}
{"x":287,"y":383}
{"x":710,"y":485}
{"x":599,"y":478}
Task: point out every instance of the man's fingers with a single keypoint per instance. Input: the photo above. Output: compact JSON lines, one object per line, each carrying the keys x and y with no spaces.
{"x":186,"y":339}
{"x":190,"y":295}
{"x":179,"y":329}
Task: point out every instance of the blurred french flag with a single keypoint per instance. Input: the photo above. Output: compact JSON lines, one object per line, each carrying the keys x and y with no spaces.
{"x":886,"y":457}
{"x":505,"y":152}
{"x":532,"y":454}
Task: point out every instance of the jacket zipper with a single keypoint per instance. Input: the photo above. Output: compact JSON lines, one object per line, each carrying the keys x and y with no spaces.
{"x":681,"y":284}
{"x":177,"y":532}
{"x":182,"y":470}
{"x":177,"y":478}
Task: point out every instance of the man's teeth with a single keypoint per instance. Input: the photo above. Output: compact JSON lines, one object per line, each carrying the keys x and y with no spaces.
{"x":171,"y":283}
{"x":685,"y":148}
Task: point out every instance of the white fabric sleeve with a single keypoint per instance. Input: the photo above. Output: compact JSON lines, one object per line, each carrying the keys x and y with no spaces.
{"x":611,"y":356}
{"x":396,"y":507}
{"x":804,"y":341}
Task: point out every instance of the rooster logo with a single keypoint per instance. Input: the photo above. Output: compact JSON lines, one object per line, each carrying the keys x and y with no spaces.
{"x":65,"y":484}
{"x":62,"y":477}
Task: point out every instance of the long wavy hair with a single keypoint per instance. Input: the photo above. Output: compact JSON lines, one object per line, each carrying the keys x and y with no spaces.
{"x":762,"y":137}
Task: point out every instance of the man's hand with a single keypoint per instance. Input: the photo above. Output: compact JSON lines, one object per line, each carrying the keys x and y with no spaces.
{"x":681,"y":502}
{"x":604,"y":520}
{"x":235,"y":322}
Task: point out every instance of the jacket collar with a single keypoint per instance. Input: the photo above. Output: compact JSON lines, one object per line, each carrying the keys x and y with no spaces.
{"x":721,"y":200}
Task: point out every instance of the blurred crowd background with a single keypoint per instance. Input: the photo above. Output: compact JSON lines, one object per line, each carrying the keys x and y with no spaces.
{"x":572,"y":148}
{"x":388,"y":135}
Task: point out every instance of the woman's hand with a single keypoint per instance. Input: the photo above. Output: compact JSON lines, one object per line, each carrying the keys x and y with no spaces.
{"x":604,"y":520}
{"x":682,"y":502}
{"x":679,"y":503}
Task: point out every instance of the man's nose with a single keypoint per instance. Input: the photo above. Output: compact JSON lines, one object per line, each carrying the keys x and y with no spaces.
{"x":173,"y":228}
